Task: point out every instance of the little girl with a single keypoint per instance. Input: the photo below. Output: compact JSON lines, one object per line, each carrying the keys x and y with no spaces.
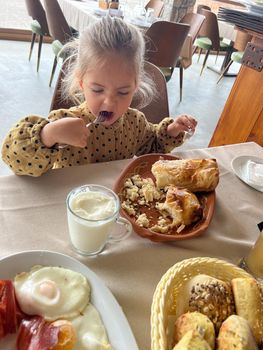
{"x":108,"y":71}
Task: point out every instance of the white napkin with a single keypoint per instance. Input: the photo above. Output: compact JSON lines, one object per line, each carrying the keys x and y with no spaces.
{"x":255,"y":173}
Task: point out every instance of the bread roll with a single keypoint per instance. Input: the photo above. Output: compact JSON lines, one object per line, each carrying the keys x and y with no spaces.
{"x":248,"y":296}
{"x":235,"y":334}
{"x":183,"y":206}
{"x":192,"y":340}
{"x":195,"y":321}
{"x":194,"y":174}
{"x":208,"y":295}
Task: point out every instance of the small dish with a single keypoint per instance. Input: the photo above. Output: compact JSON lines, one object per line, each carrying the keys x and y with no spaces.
{"x":240,"y":168}
{"x":142,"y":166}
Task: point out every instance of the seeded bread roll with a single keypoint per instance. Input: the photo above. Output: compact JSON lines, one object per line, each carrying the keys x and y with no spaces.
{"x":235,"y":333}
{"x":192,"y":340}
{"x":248,"y":296}
{"x":194,"y":174}
{"x":195,"y":321}
{"x":207,"y":295}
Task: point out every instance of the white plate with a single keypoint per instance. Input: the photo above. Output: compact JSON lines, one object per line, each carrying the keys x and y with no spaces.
{"x":115,"y":322}
{"x":239,"y":166}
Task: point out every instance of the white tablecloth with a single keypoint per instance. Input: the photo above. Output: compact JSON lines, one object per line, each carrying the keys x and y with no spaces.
{"x":33,"y":216}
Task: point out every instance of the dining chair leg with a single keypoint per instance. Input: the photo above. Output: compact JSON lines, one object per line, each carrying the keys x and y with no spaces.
{"x":181,"y":82}
{"x":224,"y":71}
{"x":32,"y":45}
{"x":217,"y":53}
{"x":195,"y":49}
{"x":39,"y":50}
{"x":205,"y":59}
{"x":199,"y":54}
{"x":53,"y":70}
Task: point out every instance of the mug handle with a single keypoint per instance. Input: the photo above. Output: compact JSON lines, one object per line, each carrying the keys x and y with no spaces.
{"x":128,"y":230}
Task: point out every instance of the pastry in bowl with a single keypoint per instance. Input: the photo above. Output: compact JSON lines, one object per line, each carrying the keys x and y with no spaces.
{"x":195,"y":321}
{"x":209,"y":296}
{"x":192,"y":340}
{"x":182,"y":206}
{"x":248,"y":295}
{"x":235,"y":333}
{"x":197,"y":175}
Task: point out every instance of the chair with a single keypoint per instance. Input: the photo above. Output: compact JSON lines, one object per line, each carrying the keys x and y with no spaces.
{"x":195,"y":21}
{"x":235,"y":57}
{"x":209,"y":37}
{"x":241,"y":40}
{"x":157,"y":6}
{"x":164,"y":41}
{"x":154,"y":112}
{"x":39,"y":26}
{"x":159,"y":107}
{"x":200,"y":7}
{"x":59,"y":30}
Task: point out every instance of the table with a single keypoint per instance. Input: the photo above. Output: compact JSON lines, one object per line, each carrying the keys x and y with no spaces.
{"x":33,"y":216}
{"x":242,"y":117}
{"x":79,"y":14}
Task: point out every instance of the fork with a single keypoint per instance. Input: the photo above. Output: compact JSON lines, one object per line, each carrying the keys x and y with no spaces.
{"x":103,"y":115}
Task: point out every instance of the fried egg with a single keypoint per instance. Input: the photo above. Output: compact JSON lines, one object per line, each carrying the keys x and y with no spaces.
{"x":91,"y":333}
{"x":52,"y":292}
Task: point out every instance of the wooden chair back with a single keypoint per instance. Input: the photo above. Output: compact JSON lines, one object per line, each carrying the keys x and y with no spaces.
{"x":164,"y":41}
{"x":57,"y":24}
{"x":158,"y":109}
{"x":157,"y":5}
{"x":195,"y":20}
{"x":37,"y":12}
{"x":154,"y":112}
{"x":200,"y":7}
{"x":210,"y":28}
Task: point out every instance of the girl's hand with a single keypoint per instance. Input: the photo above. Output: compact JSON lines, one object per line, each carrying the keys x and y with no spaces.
{"x":69,"y":131}
{"x":182,"y":123}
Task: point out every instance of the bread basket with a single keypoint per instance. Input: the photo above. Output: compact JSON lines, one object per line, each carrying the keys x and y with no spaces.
{"x":164,"y":298}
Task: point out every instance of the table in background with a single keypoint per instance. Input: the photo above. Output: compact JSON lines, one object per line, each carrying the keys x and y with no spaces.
{"x":79,"y":14}
{"x":33,"y":216}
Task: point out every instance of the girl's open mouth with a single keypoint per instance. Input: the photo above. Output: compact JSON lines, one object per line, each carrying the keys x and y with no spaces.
{"x":103,"y":117}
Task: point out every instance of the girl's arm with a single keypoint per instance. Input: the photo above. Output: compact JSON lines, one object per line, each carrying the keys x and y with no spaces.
{"x":23,"y":150}
{"x":154,"y":138}
{"x":30,"y":149}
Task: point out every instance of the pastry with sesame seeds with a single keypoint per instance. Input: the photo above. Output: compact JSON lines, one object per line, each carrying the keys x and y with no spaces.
{"x":209,"y":296}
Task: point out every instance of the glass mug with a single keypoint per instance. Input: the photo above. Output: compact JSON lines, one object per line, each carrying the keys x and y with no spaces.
{"x":93,"y":215}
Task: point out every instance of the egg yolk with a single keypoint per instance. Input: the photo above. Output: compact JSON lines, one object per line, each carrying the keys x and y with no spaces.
{"x":47,"y":292}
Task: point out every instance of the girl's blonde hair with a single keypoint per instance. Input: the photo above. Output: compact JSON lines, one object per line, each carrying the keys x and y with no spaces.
{"x":109,"y":34}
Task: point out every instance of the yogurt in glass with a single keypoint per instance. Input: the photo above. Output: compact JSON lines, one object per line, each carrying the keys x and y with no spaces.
{"x":92,"y":212}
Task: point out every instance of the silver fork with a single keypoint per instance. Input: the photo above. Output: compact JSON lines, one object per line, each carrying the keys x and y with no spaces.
{"x":103,"y":115}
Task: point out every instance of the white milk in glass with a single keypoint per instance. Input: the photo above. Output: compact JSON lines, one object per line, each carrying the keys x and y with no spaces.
{"x":90,"y":220}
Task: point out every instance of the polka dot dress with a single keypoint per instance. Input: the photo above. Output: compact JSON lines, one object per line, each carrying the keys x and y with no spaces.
{"x":131,"y":135}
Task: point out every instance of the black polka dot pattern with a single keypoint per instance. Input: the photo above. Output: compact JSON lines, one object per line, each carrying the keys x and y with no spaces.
{"x":131,"y":135}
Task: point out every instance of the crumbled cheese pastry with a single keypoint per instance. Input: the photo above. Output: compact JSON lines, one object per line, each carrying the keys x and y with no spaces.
{"x":133,"y":193}
{"x":180,"y":208}
{"x":130,"y":209}
{"x":143,"y":220}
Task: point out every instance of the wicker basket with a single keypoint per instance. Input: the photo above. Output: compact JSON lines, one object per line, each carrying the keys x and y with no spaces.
{"x":164,"y":299}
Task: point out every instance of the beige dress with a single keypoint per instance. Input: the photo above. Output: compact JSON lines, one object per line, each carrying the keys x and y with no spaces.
{"x":131,"y":135}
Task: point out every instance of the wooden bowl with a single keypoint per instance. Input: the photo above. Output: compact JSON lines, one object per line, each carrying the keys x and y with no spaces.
{"x":142,"y":166}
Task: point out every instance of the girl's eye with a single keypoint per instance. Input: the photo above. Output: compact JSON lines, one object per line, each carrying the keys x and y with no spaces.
{"x":123,"y":93}
{"x":97,"y":91}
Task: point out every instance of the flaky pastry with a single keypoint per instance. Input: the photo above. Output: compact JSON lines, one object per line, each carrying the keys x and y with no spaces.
{"x":196,"y":175}
{"x":182,"y":206}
